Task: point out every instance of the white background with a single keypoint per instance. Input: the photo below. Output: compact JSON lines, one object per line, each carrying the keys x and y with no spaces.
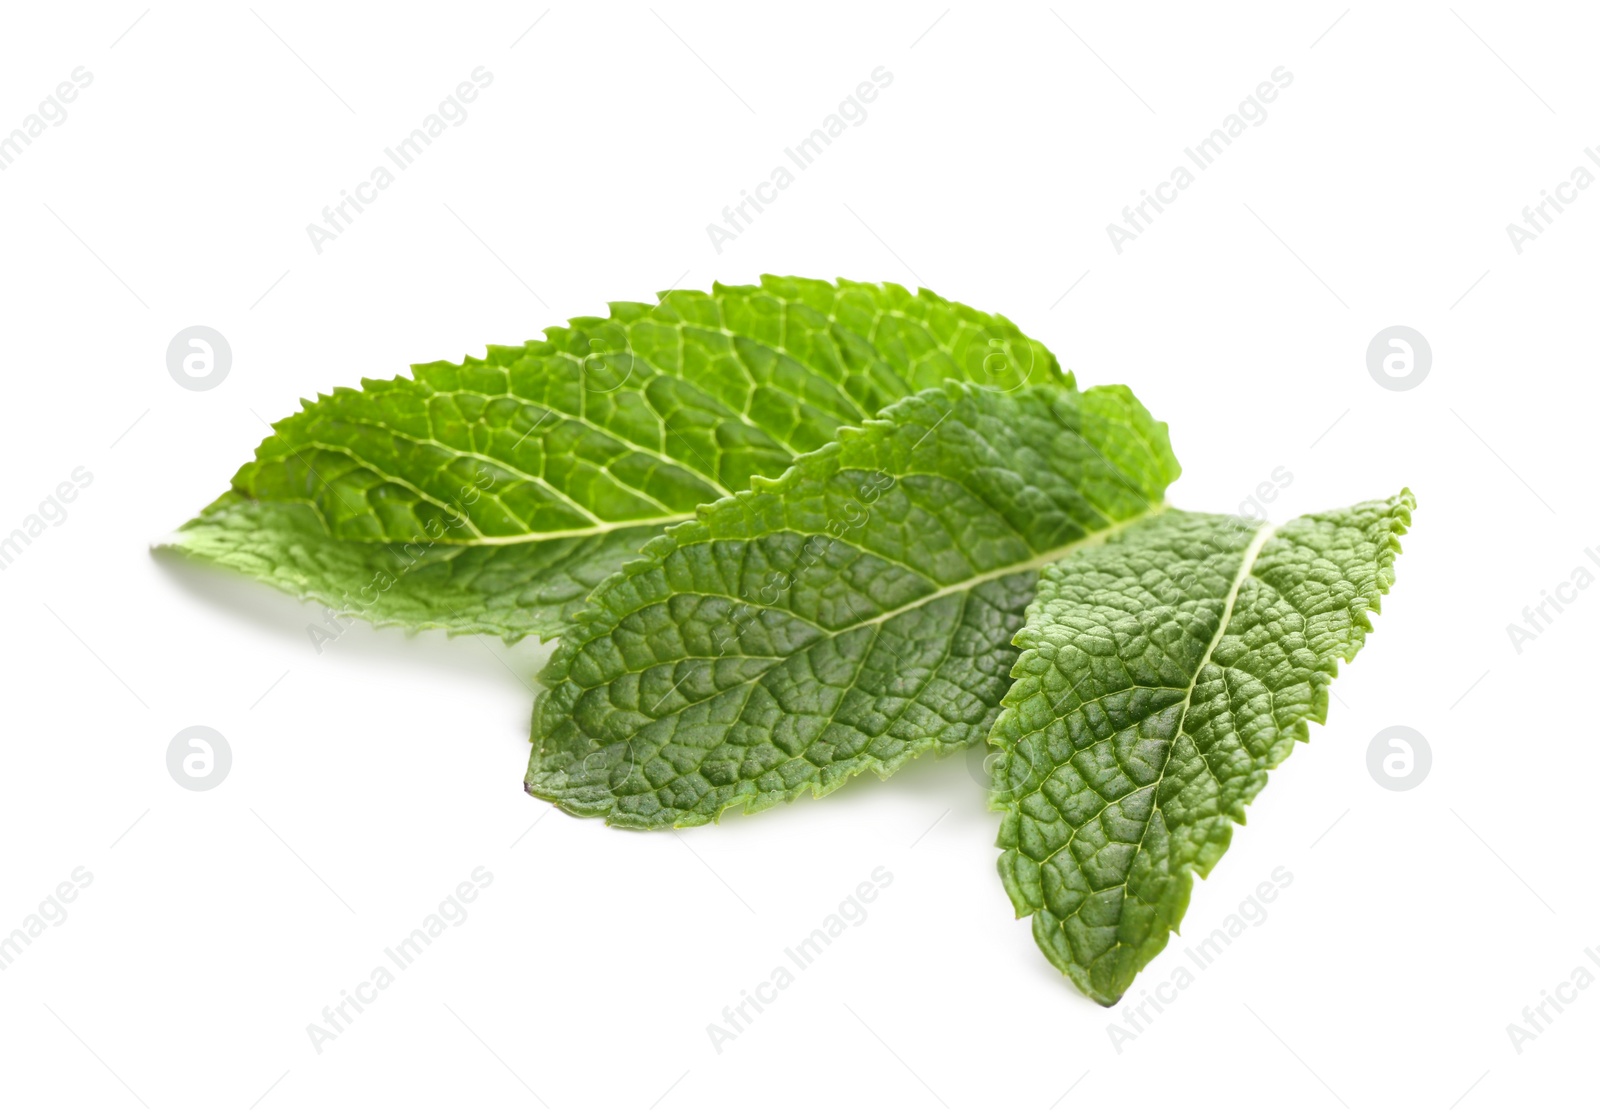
{"x":369,"y":780}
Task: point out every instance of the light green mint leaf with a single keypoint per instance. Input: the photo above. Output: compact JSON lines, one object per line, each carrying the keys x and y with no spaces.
{"x":511,"y":590}
{"x":1162,"y":674}
{"x":492,"y":496}
{"x":852,"y":614}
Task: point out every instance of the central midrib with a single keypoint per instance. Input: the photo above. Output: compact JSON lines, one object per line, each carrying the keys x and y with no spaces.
{"x":1247,"y":562}
{"x":1032,"y":563}
{"x":599,"y":528}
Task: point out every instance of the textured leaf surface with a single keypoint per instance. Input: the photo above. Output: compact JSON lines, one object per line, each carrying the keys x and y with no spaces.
{"x":511,"y":590}
{"x":850,"y":615}
{"x":494,"y":494}
{"x":1162,"y":674}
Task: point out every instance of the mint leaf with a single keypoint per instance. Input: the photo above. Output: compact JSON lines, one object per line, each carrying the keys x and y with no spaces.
{"x":1162,"y":674}
{"x":852,"y":614}
{"x":510,"y":590}
{"x":493,"y":495}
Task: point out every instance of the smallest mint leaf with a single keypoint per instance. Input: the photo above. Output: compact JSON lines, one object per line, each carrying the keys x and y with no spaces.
{"x":1162,"y":675}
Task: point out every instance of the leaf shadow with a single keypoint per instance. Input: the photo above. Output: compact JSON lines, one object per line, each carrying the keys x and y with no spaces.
{"x":293,"y":623}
